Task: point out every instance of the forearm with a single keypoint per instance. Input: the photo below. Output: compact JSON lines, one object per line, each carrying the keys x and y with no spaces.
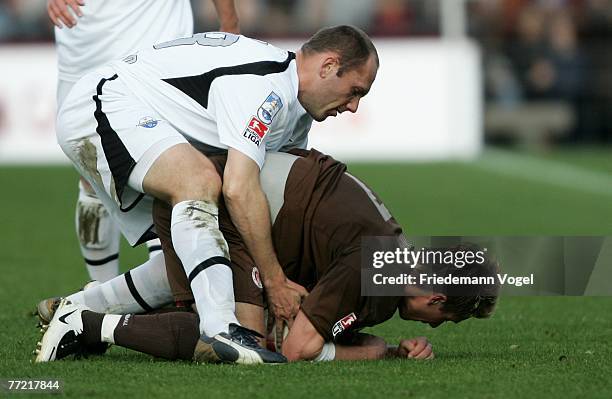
{"x":251,"y":216}
{"x":392,"y":352}
{"x":366,"y":347}
{"x":228,"y":17}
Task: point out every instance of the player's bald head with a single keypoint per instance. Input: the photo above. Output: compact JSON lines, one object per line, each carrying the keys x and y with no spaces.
{"x":353,"y":46}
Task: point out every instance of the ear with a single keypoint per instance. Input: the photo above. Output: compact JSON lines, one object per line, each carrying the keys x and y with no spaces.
{"x":436,"y":299}
{"x":329,"y":66}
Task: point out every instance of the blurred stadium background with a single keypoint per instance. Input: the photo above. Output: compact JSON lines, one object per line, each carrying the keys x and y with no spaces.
{"x":523,"y":74}
{"x":489,"y":117}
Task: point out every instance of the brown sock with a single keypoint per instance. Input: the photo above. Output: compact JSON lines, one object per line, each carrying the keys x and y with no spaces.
{"x":168,"y":335}
{"x":92,"y":325}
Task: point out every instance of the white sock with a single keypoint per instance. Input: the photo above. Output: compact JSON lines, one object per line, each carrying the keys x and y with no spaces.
{"x":109,"y":323}
{"x":199,"y":244}
{"x":154,"y":247}
{"x":98,"y":237}
{"x":141,"y":289}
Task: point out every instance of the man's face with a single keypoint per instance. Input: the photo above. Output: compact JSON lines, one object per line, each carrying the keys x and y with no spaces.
{"x":331,"y":94}
{"x":426,"y":309}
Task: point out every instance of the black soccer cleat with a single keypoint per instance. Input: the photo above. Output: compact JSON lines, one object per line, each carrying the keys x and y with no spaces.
{"x":240,"y":346}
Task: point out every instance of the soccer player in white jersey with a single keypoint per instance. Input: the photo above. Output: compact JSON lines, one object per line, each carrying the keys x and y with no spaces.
{"x":127,"y":127}
{"x":106,"y":30}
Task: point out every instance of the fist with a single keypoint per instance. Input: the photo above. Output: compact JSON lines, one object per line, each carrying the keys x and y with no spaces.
{"x":415,"y":348}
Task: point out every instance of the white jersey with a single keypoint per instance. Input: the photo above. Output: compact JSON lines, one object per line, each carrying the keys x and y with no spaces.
{"x":112,"y":29}
{"x":222,"y":90}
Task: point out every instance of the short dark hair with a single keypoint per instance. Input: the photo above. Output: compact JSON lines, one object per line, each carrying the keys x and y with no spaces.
{"x":466,"y":300}
{"x":352,"y":45}
{"x":480,"y":307}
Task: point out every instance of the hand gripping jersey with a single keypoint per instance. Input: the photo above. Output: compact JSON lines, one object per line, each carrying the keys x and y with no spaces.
{"x":319,"y":214}
{"x":222,"y":90}
{"x":112,"y":29}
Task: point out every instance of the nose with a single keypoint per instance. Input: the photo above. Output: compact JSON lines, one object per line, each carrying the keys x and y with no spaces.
{"x":353,"y":105}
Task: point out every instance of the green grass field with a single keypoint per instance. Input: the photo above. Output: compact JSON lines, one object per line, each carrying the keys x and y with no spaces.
{"x":547,"y":347}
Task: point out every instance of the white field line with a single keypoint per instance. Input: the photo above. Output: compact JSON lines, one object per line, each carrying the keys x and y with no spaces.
{"x":545,"y":171}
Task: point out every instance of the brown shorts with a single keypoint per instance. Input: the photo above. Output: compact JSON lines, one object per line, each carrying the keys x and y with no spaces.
{"x":248,"y":287}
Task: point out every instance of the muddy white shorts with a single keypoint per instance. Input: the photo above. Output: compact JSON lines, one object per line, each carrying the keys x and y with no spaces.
{"x":113,"y":138}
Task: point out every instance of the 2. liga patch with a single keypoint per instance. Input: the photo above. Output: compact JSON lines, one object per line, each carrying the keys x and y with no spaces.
{"x":343,"y":324}
{"x":269,"y":108}
{"x":255,"y":131}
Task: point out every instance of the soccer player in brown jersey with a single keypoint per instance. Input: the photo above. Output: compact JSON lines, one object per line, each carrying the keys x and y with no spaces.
{"x":320,"y":213}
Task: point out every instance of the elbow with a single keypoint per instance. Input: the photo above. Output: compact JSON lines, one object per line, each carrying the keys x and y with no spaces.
{"x":234,"y":192}
{"x":307,"y":351}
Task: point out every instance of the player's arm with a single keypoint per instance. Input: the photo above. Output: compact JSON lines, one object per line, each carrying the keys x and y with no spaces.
{"x":59,"y":13}
{"x":234,"y":101}
{"x":248,"y":208}
{"x":336,"y":295}
{"x":305,"y":343}
{"x":228,"y":17}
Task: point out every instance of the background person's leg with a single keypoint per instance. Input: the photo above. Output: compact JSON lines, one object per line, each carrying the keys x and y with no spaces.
{"x":98,"y":235}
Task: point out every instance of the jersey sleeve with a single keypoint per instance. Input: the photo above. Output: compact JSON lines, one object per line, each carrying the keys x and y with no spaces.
{"x":334,"y":302}
{"x":246,"y":109}
{"x":298,"y":142}
{"x":301,"y":143}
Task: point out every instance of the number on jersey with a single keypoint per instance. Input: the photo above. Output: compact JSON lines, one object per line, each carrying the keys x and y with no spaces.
{"x":211,"y":39}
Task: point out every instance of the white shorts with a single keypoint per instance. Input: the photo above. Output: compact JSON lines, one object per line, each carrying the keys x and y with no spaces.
{"x":113,"y":138}
{"x":63,"y":88}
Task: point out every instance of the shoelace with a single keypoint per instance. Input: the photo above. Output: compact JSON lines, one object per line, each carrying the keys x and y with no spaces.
{"x":246,"y":337}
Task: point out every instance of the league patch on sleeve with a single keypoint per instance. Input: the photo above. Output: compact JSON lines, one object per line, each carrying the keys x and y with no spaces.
{"x":343,"y":324}
{"x":255,"y":131}
{"x":268,"y":110}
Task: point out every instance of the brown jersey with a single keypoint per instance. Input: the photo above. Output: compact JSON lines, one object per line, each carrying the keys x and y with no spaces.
{"x":317,"y":236}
